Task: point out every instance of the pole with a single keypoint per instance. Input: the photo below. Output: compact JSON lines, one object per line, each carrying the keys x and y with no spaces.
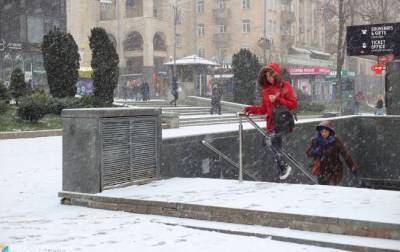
{"x":265,"y":30}
{"x":240,"y":149}
{"x":175,"y":17}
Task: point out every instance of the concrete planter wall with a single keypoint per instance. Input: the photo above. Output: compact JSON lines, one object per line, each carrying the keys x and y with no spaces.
{"x":371,"y":140}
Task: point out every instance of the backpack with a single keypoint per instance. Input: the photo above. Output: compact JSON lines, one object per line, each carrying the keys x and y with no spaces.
{"x":283,"y":119}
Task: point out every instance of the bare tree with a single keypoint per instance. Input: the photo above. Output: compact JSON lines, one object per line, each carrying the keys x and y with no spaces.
{"x":344,"y":12}
{"x":379,"y":11}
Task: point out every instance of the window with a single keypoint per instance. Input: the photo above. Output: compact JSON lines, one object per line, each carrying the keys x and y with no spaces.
{"x":200,"y":6}
{"x":246,"y":26}
{"x":245,"y":47}
{"x":222,"y":4}
{"x":270,"y":26}
{"x":178,"y":17}
{"x":134,"y":8}
{"x":201,"y":52}
{"x":178,"y":42}
{"x":200,"y":30}
{"x":245,"y":4}
{"x":221,"y":28}
{"x":269,"y":4}
{"x":222,"y":53}
{"x":316,"y":38}
{"x":159,"y":42}
{"x":107,"y":9}
{"x":133,"y":42}
{"x":35,"y":29}
{"x":130,"y":3}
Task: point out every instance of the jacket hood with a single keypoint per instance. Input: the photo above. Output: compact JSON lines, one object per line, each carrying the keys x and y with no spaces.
{"x":275,"y":67}
{"x":327,"y":125}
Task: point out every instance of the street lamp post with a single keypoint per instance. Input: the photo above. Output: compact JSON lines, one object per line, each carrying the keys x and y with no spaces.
{"x":175,"y":9}
{"x":265,"y":29}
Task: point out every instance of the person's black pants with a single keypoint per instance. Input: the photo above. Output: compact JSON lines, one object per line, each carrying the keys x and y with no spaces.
{"x":276,"y":147}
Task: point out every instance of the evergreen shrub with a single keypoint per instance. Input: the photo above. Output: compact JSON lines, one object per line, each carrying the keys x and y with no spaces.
{"x":32,"y":108}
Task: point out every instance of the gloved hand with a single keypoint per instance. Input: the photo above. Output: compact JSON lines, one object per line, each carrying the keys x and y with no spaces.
{"x":317,"y":151}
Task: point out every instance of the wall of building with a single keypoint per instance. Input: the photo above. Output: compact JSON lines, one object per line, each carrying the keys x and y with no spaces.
{"x":22,"y":27}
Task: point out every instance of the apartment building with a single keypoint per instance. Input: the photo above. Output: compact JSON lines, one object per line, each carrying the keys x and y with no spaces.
{"x":141,"y":30}
{"x":285,"y":31}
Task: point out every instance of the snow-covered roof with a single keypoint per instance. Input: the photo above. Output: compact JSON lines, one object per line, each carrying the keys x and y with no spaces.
{"x":297,"y":50}
{"x":192,"y":60}
{"x":321,"y":53}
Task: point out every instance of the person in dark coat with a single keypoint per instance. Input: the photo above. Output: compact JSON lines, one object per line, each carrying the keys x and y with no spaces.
{"x":145,"y":91}
{"x":216,"y":100}
{"x":327,"y":148}
{"x":174,"y":91}
{"x":136,"y":90}
{"x":277,"y":93}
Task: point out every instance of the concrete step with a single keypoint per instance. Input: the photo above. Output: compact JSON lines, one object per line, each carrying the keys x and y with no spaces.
{"x":342,"y":242}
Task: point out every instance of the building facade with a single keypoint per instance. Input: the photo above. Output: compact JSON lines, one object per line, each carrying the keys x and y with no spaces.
{"x":141,"y":30}
{"x":23,"y":24}
{"x":290,"y":32}
{"x":144,"y":31}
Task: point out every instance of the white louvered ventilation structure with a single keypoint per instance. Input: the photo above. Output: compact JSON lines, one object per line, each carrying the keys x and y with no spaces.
{"x":128,"y":151}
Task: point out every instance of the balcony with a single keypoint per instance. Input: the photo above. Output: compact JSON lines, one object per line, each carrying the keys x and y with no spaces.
{"x":287,"y":16}
{"x":221,"y":14}
{"x":222,"y":38}
{"x":287,"y":39}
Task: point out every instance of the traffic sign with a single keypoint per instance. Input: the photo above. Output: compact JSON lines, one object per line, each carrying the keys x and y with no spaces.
{"x":376,"y":39}
{"x":377,"y":68}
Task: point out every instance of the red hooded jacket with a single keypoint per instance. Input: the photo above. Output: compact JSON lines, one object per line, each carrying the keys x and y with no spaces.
{"x":283,"y":91}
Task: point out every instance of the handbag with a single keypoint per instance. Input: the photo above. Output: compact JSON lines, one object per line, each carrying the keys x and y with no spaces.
{"x":316,"y":167}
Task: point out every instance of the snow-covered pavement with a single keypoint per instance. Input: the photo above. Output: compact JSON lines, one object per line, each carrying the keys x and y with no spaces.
{"x":32,"y":219}
{"x":316,"y":200}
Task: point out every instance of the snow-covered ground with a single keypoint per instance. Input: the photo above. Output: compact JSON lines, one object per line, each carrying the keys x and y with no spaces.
{"x":32,"y":219}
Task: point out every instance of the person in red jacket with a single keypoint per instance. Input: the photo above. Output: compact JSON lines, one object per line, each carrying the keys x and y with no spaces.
{"x":276,"y":92}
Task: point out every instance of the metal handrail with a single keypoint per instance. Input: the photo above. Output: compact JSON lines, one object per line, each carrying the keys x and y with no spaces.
{"x":259,"y":129}
{"x":239,"y":165}
{"x":230,"y":161}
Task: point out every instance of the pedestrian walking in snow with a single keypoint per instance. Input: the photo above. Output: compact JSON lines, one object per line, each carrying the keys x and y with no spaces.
{"x":379,"y":108}
{"x":136,"y":90}
{"x":325,"y":150}
{"x":278,"y":103}
{"x":145,"y":91}
{"x":358,"y":100}
{"x":174,"y":91}
{"x":216,"y":100}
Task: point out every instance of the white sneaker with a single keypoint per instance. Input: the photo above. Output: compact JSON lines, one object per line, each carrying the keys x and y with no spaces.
{"x":285,"y":172}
